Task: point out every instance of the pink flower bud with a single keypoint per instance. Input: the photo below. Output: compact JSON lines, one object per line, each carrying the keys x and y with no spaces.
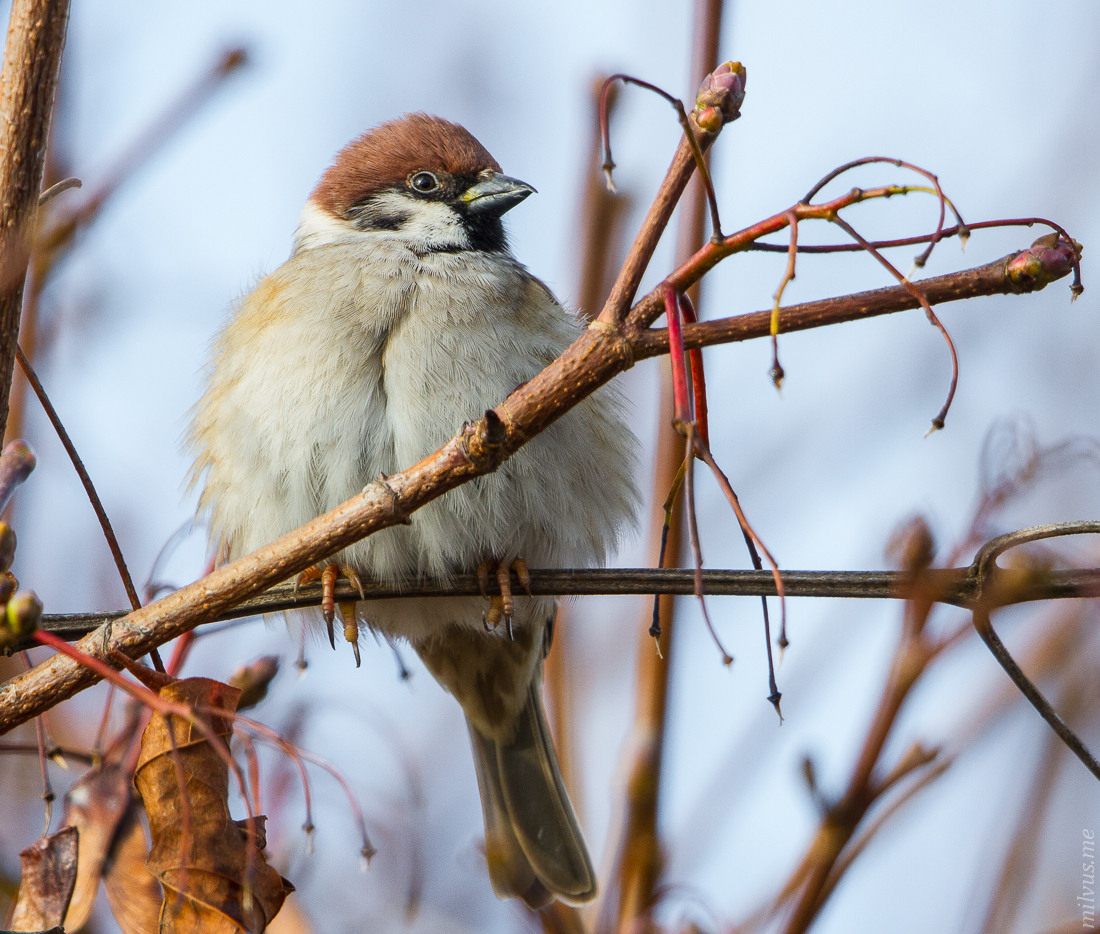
{"x":720,"y":96}
{"x":1049,"y":258}
{"x":16,"y":463}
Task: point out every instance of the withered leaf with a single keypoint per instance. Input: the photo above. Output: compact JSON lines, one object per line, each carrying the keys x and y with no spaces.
{"x":214,"y":874}
{"x":47,"y":882}
{"x":134,"y":895}
{"x":291,"y":920}
{"x":254,"y":679}
{"x":94,"y":806}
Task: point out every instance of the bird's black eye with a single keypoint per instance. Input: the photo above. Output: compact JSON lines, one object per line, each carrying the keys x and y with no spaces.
{"x":423,"y":182}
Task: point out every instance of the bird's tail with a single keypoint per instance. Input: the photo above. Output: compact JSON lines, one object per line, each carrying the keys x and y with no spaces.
{"x":533,"y":845}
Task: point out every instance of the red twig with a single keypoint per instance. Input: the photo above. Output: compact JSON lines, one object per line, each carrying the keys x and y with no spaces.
{"x":941,"y":416}
{"x":698,"y":379}
{"x":680,"y":402}
{"x":691,"y":437}
{"x":297,"y":756}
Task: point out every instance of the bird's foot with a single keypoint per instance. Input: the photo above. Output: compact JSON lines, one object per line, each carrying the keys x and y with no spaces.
{"x":502,"y":606}
{"x":328,"y":575}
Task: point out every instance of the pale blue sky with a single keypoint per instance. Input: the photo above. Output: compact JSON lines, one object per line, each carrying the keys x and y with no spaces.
{"x":1002,"y":106}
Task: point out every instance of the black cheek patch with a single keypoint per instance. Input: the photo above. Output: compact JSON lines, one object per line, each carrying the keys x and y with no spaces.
{"x":374,"y":216}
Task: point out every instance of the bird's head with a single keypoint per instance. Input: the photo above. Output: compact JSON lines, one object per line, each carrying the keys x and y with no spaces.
{"x":419,"y":179}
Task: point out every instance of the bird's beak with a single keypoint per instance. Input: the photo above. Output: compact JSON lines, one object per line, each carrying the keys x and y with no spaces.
{"x":495,"y":195}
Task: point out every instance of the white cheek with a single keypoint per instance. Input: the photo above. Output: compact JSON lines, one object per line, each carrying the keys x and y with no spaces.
{"x":317,"y":227}
{"x":429,"y":225}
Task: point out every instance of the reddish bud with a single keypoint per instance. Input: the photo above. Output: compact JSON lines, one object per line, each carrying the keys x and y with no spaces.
{"x":720,"y":96}
{"x":16,"y":463}
{"x":1048,"y":259}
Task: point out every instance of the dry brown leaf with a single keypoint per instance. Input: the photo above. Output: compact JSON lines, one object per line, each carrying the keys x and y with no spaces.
{"x":48,"y":879}
{"x":214,"y":879}
{"x":134,"y":895}
{"x":291,"y":920}
{"x":94,"y":806}
{"x":254,"y":679}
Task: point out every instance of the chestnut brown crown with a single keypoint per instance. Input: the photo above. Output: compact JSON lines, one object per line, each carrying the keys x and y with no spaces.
{"x":385,"y":156}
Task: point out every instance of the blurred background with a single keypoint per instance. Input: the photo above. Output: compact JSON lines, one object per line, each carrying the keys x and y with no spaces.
{"x":1002,"y":107}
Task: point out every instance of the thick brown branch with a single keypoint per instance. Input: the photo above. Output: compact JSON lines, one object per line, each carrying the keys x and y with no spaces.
{"x":626,"y":285}
{"x":28,"y":84}
{"x":991,"y":279}
{"x":595,"y":358}
{"x":473,"y":451}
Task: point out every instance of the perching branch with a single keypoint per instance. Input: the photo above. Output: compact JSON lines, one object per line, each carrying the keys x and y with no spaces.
{"x":478,"y":448}
{"x":28,"y":85}
{"x":954,"y":586}
{"x":603,"y":351}
{"x":1027,"y":271}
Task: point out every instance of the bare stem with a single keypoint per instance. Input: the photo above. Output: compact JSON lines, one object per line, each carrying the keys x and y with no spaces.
{"x":995,"y":278}
{"x":639,"y":860}
{"x":28,"y":86}
{"x":85,"y":479}
{"x":598,"y":355}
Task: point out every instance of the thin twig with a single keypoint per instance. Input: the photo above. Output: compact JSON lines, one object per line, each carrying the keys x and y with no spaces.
{"x":32,"y":749}
{"x":48,"y":795}
{"x":944,"y":202}
{"x":955,"y":586}
{"x":298,"y":756}
{"x":1000,"y":277}
{"x":918,"y":294}
{"x":698,"y":587}
{"x":689,"y":137}
{"x":85,"y":479}
{"x":987,"y":598}
{"x":776,"y":372}
{"x":1020,"y":856}
{"x":676,"y":178}
{"x":598,"y":355}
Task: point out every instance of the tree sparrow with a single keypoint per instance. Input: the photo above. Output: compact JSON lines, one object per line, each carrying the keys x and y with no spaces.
{"x":400,"y":313}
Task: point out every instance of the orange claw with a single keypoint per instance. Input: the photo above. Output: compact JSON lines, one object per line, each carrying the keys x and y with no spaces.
{"x":351,"y":627}
{"x":524,"y":575}
{"x":495,"y":612}
{"x":502,"y":606}
{"x":504,"y":582}
{"x":483,"y":577}
{"x":328,"y":575}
